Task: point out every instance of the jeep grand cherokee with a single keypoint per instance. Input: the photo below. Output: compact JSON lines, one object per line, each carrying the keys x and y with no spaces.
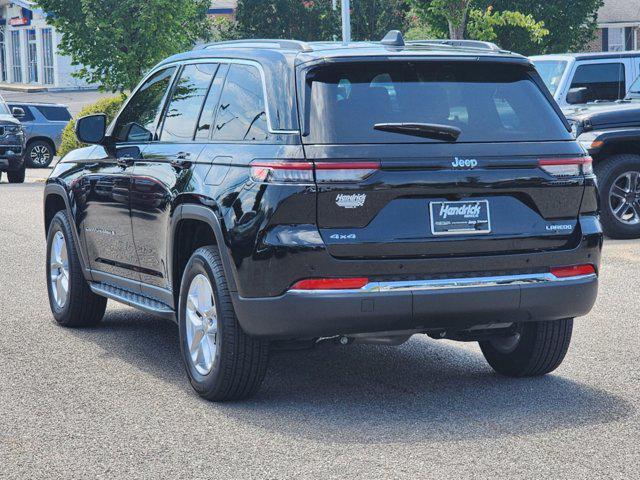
{"x":268,"y":191}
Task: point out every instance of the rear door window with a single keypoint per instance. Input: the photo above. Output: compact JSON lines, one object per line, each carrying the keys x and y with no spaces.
{"x":488,"y":102}
{"x":603,"y":81}
{"x":183,"y":111}
{"x":241,"y":114}
{"x":54,"y":114}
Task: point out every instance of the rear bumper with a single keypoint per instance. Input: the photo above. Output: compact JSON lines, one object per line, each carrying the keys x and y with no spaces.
{"x":428,"y":305}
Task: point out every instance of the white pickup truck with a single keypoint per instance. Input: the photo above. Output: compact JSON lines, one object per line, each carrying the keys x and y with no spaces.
{"x":578,"y":78}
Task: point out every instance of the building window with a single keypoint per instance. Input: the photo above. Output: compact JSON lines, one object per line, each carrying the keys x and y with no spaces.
{"x":616,"y":39}
{"x":3,"y":56}
{"x":32,"y":52}
{"x":15,"y":56}
{"x":47,"y":56}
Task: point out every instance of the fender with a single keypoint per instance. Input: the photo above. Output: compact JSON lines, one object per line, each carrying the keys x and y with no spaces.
{"x":598,"y":141}
{"x":55,"y":189}
{"x":192,"y":211}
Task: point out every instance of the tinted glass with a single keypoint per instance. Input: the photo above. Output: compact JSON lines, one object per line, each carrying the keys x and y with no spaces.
{"x":186,"y":102}
{"x":137,"y":121}
{"x":491,"y":102}
{"x":603,"y":81}
{"x":551,"y":72}
{"x":55,"y":114}
{"x":28,"y":116}
{"x":209,"y":109}
{"x":241,"y":113}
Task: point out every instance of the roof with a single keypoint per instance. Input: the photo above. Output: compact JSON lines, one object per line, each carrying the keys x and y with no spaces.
{"x":37,"y":104}
{"x":619,"y":11}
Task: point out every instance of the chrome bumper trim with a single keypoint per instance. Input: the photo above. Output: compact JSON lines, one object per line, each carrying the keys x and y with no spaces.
{"x":451,"y":283}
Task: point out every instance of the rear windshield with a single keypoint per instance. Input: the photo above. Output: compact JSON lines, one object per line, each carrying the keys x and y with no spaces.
{"x":487,"y":102}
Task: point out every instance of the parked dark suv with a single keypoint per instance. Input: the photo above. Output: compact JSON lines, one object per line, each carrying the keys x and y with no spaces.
{"x":272,"y":190}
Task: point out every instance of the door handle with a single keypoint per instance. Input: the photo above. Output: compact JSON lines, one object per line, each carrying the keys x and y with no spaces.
{"x":125,"y":160}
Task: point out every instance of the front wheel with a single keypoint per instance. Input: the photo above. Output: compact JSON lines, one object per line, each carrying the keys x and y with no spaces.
{"x":222,"y":361}
{"x":532,"y":349}
{"x":39,"y":154}
{"x":16,"y":176}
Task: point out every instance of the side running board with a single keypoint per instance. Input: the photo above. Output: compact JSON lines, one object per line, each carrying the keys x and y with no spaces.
{"x":132,"y":299}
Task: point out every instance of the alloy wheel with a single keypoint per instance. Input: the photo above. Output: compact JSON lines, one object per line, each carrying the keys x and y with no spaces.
{"x":59,"y":270}
{"x":40,"y":155}
{"x":202,"y":325}
{"x":624,"y":198}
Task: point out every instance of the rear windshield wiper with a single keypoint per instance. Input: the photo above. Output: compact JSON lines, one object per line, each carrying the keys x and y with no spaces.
{"x":425,"y":130}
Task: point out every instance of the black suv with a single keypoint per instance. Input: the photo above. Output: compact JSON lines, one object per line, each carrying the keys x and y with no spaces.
{"x":12,"y":143}
{"x":272,"y":192}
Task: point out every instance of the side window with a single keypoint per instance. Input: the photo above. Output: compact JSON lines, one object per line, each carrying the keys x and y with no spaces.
{"x":186,"y":102}
{"x":28,"y":116}
{"x":55,"y":114}
{"x":603,"y":81}
{"x":137,"y":121}
{"x":241,"y":113}
{"x":209,"y":109}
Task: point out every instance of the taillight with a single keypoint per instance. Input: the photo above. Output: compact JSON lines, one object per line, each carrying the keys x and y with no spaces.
{"x":301,"y":172}
{"x":567,"y":167}
{"x":282,"y":171}
{"x":572,"y":271}
{"x":348,"y":283}
{"x":332,"y":172}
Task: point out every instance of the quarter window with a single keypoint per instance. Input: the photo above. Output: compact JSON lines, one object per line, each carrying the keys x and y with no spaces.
{"x":186,"y":102}
{"x":137,"y":121}
{"x":603,"y":81}
{"x":241,"y":113}
{"x":55,"y":114}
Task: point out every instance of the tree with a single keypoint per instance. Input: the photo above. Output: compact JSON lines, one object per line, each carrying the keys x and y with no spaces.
{"x":316,"y":20}
{"x":115,"y":41}
{"x":571,"y":24}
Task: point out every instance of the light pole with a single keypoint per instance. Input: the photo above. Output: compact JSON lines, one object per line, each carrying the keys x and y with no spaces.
{"x":346,"y":20}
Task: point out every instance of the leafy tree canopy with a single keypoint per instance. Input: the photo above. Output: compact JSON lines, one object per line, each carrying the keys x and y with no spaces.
{"x":115,"y":41}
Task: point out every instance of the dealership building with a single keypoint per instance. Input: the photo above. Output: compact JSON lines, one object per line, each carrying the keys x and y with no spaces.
{"x":28,"y":49}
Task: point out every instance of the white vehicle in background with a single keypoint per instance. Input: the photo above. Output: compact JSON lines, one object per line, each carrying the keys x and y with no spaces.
{"x":579,"y":78}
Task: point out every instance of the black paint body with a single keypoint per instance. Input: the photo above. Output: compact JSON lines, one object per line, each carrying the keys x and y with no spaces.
{"x":127,"y":213}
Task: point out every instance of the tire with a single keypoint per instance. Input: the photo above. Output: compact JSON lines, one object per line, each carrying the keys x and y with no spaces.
{"x":238,"y":361}
{"x":539,"y":349}
{"x":17,"y":176}
{"x":612,"y":171}
{"x":81,"y":307}
{"x":39,"y":154}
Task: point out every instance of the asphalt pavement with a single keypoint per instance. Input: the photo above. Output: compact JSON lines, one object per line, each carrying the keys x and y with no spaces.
{"x":114,"y":401}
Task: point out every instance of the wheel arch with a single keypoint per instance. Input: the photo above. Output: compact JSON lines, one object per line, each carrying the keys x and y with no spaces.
{"x":55,"y":200}
{"x":40,"y":138}
{"x":198,"y":223}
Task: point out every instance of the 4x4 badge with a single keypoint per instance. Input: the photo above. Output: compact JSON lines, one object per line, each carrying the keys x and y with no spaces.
{"x":351,"y":201}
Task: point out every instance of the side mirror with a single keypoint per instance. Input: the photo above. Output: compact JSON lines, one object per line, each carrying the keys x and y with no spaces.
{"x":92,"y":128}
{"x":577,"y":95}
{"x":18,"y":112}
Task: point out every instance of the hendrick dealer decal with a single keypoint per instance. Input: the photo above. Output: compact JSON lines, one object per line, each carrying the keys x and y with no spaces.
{"x":351,"y":201}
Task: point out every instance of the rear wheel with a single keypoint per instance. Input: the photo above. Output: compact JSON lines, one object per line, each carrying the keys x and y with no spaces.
{"x":532,"y":349}
{"x":222,"y":361}
{"x":17,"y":176}
{"x":619,"y":179}
{"x":39,"y":154}
{"x":72,"y":302}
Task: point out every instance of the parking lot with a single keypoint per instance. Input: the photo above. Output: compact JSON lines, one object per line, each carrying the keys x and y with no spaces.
{"x":114,"y":402}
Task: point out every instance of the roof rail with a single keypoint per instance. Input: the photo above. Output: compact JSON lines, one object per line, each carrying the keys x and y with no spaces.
{"x":459,"y":43}
{"x":268,"y":43}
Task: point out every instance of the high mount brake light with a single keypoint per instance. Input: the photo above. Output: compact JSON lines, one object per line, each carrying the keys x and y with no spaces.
{"x":567,"y":167}
{"x":350,"y":283}
{"x":301,"y":172}
{"x":572,"y":271}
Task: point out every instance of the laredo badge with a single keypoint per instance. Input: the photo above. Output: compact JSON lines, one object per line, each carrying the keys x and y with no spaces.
{"x":351,"y":201}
